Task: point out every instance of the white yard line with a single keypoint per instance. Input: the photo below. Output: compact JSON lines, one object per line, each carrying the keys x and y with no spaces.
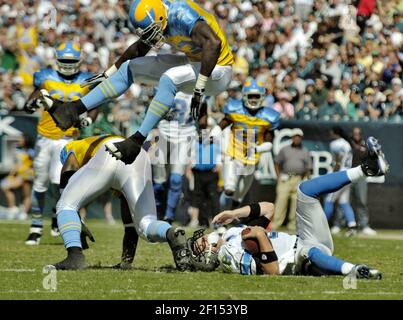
{"x":261,"y":293}
{"x":17,"y":270}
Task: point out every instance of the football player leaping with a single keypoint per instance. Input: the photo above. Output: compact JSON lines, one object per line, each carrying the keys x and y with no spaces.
{"x":252,"y":130}
{"x":308,"y":253}
{"x":204,"y":69}
{"x":88,"y":171}
{"x":62,"y":84}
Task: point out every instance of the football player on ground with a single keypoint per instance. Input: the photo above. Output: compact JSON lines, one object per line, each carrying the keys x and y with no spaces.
{"x":176,"y":135}
{"x":89,"y":171}
{"x":61,"y":84}
{"x":307,"y":253}
{"x":252,"y":131}
{"x":204,"y":69}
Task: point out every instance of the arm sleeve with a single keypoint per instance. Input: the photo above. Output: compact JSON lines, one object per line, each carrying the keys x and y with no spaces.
{"x":38,"y":79}
{"x":187,"y":17}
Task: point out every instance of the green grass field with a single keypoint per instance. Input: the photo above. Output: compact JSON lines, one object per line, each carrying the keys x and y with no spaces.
{"x":152,"y":277}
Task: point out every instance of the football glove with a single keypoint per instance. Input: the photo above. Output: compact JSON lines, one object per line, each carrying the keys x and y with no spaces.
{"x":41,"y":99}
{"x":196,"y":103}
{"x":126,"y":150}
{"x":66,"y":114}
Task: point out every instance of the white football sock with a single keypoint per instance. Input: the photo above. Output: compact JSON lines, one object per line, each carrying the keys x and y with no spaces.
{"x":347,"y":267}
{"x":355,"y":174}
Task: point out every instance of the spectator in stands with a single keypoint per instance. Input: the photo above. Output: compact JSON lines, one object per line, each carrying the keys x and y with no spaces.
{"x":319,"y":95}
{"x":353,"y":106}
{"x":342,"y":95}
{"x":283,"y":105}
{"x":368,"y":106}
{"x":331,"y":110}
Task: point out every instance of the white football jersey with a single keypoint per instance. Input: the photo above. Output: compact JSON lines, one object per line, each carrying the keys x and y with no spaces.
{"x":178,"y":124}
{"x":340,"y":147}
{"x":235,"y":259}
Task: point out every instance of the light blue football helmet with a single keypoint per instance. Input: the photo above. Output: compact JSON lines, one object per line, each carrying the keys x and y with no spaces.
{"x":253,"y":93}
{"x":68,"y":56}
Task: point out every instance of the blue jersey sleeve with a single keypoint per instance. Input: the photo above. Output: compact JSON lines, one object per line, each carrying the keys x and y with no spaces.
{"x":233,"y":106}
{"x":39,"y":78}
{"x":183,"y":17}
{"x":273,"y":117}
{"x":42,"y":75}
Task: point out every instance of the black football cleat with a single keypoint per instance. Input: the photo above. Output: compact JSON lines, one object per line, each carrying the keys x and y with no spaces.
{"x":177,"y":241}
{"x":362,"y":271}
{"x":34,"y":237}
{"x":375,"y":163}
{"x":75,"y":260}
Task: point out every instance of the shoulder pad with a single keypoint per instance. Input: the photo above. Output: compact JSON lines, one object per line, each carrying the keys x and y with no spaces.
{"x":272,"y":116}
{"x":233,"y":106}
{"x":44,"y":74}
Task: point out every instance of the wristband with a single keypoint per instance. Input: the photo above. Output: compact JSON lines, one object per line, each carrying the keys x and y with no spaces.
{"x":267,"y":257}
{"x":254,"y":210}
{"x":201,"y":82}
{"x":110,"y":71}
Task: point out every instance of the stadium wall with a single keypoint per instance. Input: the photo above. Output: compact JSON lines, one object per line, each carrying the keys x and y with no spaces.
{"x":385,"y":198}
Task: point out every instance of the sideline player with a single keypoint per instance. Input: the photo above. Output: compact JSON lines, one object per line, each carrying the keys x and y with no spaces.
{"x":62,"y":84}
{"x":307,"y":253}
{"x":342,"y":158}
{"x":176,"y":135}
{"x":100,"y":172}
{"x":204,"y":69}
{"x":252,"y":130}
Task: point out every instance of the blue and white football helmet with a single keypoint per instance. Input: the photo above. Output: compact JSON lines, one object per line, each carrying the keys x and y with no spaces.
{"x":253,"y":93}
{"x":68,"y":56}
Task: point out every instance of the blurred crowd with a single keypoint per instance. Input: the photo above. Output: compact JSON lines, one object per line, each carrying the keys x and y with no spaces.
{"x":330,"y":60}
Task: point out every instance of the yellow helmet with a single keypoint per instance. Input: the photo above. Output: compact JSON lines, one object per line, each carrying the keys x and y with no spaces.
{"x":149,"y":17}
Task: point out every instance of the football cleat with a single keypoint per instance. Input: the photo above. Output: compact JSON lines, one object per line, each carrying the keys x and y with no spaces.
{"x":34,"y":237}
{"x":375,"y":163}
{"x":362,"y":271}
{"x":352,"y":231}
{"x":177,"y":241}
{"x":54,"y":232}
{"x":75,"y":260}
{"x":368,"y":231}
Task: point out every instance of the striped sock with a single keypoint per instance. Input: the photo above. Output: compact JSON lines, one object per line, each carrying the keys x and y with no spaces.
{"x":69,"y":225}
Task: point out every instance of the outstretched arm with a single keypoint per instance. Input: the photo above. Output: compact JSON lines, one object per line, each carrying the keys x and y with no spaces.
{"x":252,"y":211}
{"x":137,"y":49}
